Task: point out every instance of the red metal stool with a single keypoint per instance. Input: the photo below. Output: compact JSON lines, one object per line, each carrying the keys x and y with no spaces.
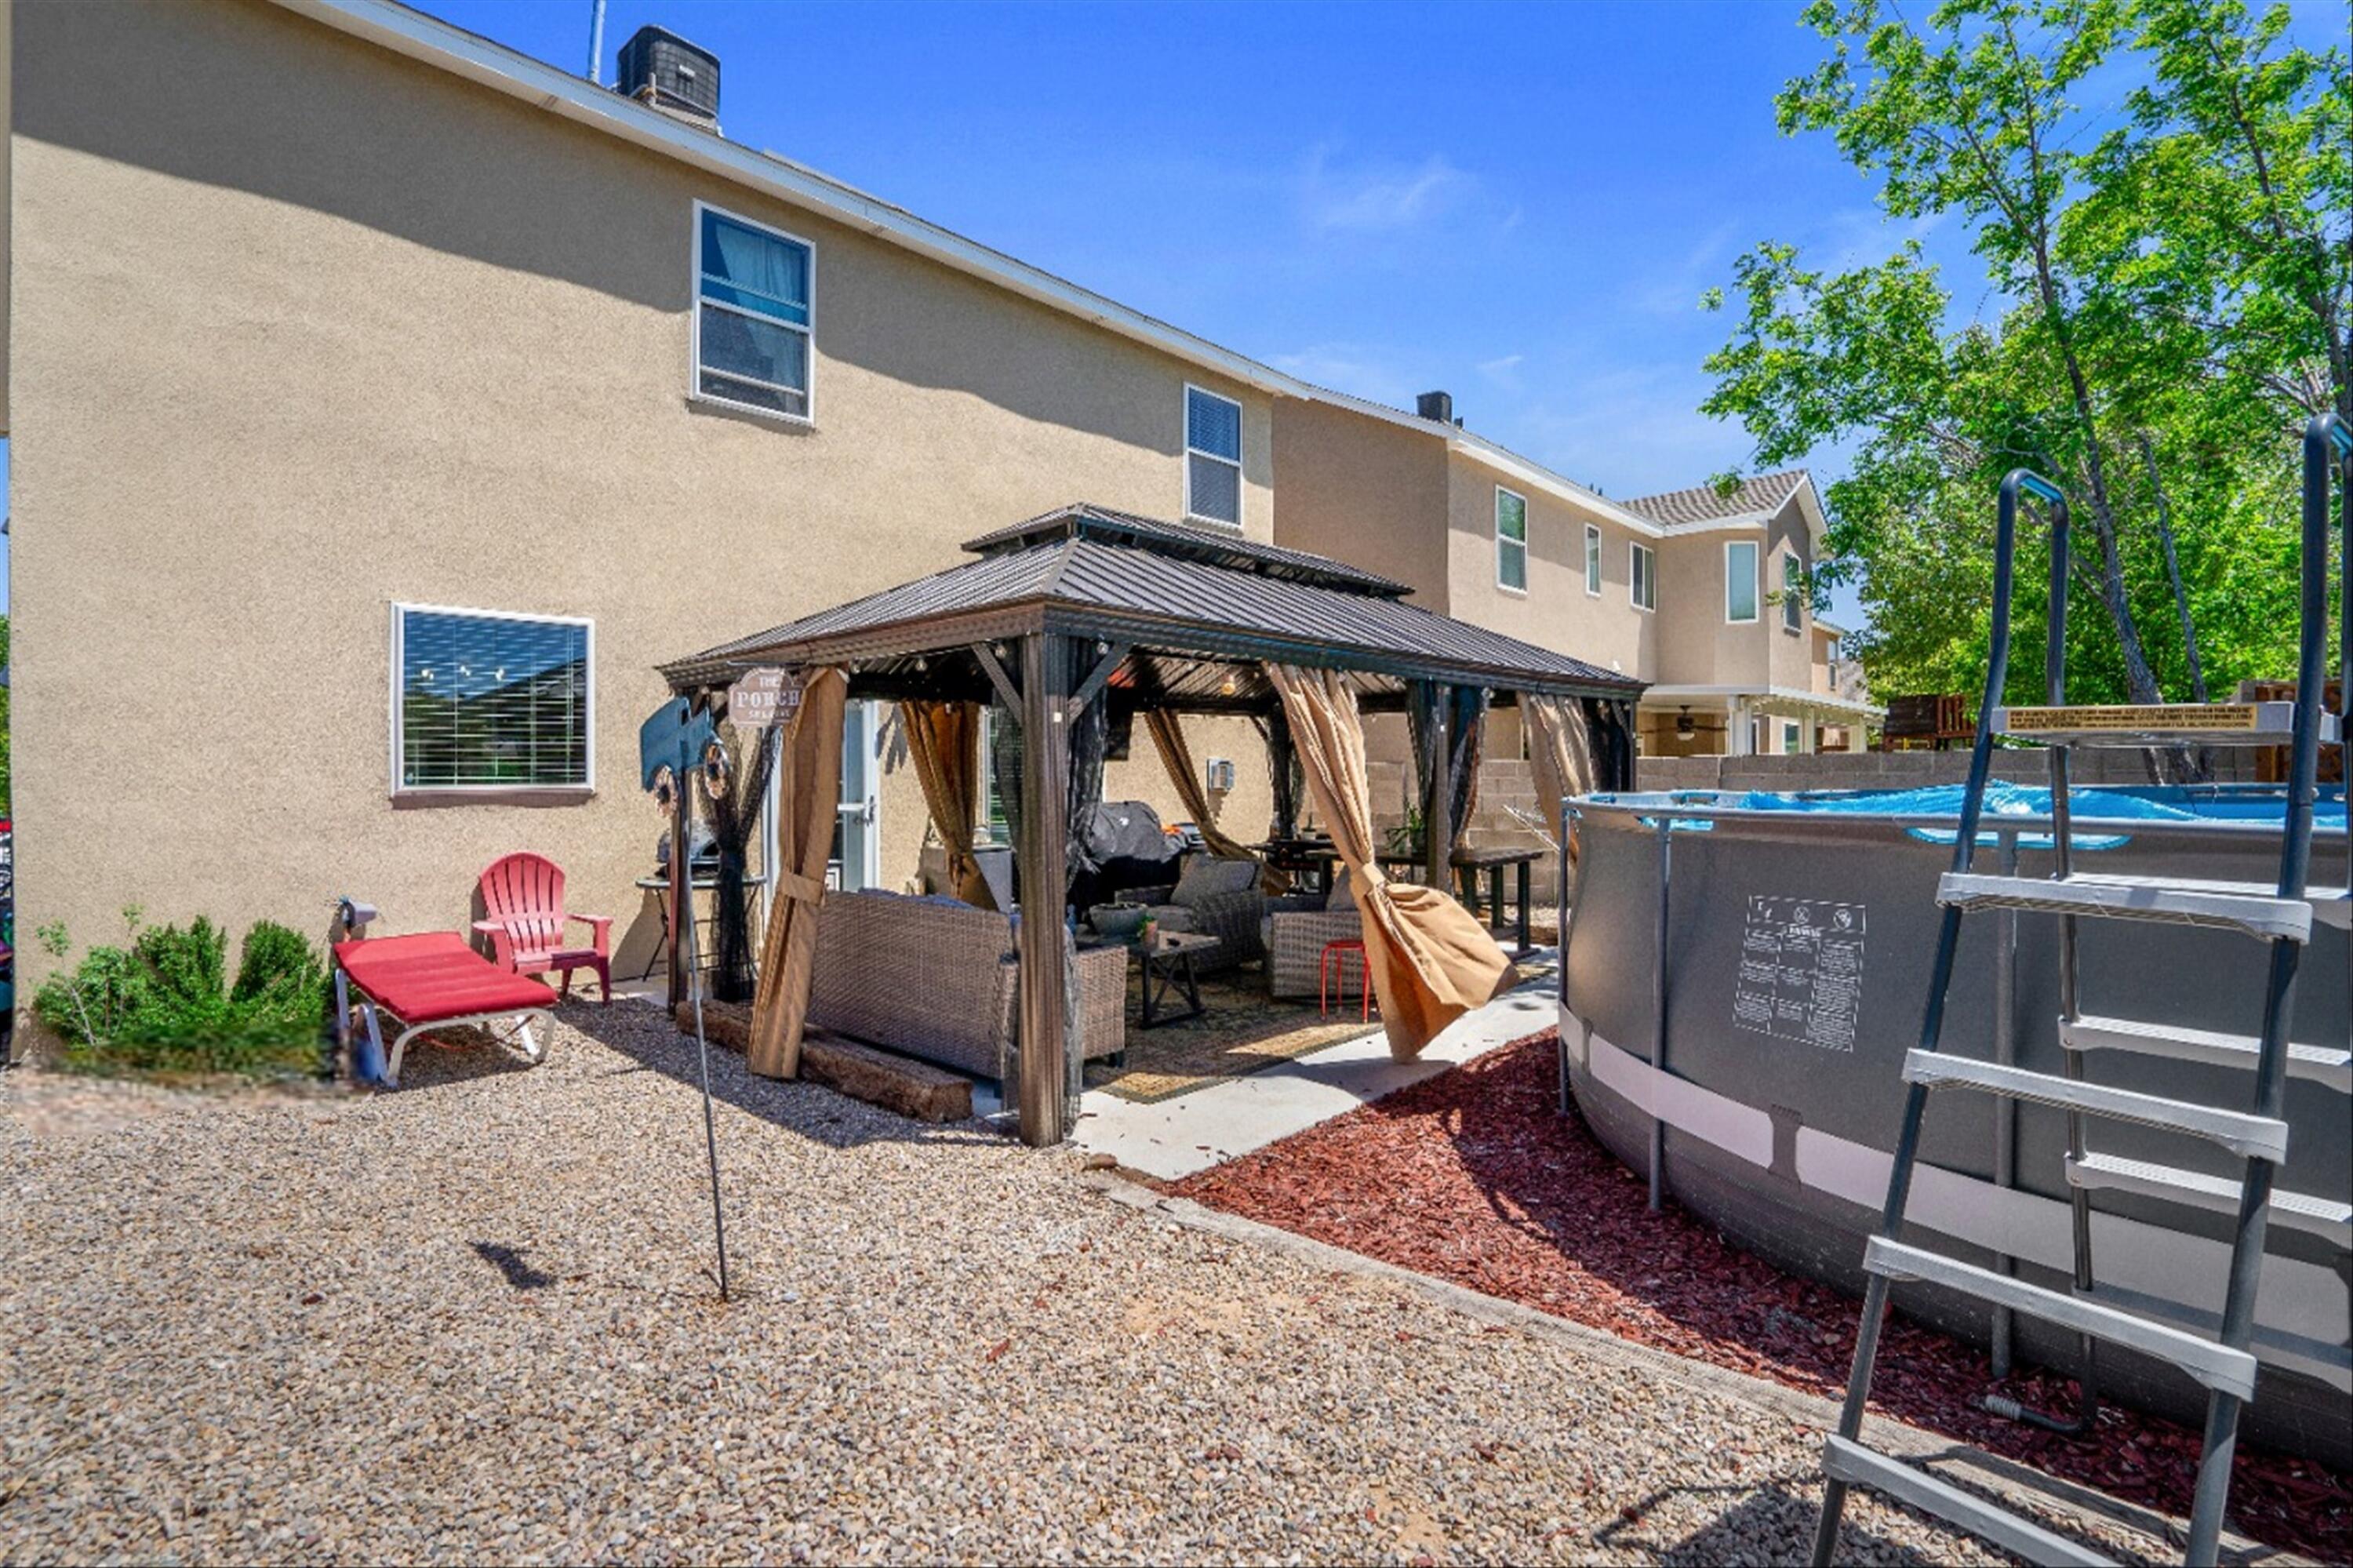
{"x":1332,"y":974}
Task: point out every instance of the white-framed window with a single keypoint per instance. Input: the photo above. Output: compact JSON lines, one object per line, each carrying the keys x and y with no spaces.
{"x":1641,"y":577}
{"x":754,"y":316}
{"x":490,"y":700}
{"x":1213,"y":458}
{"x":1511,"y":540}
{"x":1740,"y":579}
{"x":1793,"y":592}
{"x":1593,"y":559}
{"x":1792,"y":738}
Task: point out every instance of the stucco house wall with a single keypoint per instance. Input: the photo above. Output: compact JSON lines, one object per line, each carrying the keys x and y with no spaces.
{"x":1554,"y":611}
{"x":303,"y":329}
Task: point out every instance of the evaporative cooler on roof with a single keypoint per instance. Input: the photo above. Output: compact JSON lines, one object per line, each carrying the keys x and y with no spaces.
{"x":657,"y":65}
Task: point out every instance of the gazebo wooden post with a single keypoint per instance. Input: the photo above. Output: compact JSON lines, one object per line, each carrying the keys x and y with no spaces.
{"x":1043,"y":850}
{"x":1437,"y":785}
{"x":1278,"y":759}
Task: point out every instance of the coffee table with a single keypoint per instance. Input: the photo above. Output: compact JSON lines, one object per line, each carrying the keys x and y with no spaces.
{"x":1169,"y":964}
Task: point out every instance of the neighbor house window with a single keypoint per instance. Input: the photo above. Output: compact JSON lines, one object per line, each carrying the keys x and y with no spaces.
{"x":1641,"y":578}
{"x":1789,"y":737}
{"x":487,"y":701}
{"x":1593,"y":560}
{"x":1213,"y":458}
{"x":752,"y":315}
{"x":1511,"y":540}
{"x":1793,"y":593}
{"x":1740,"y":580}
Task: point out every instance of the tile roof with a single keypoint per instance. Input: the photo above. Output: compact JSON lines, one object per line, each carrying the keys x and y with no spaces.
{"x":1705,"y":504}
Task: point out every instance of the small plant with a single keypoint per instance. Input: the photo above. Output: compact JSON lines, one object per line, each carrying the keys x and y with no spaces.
{"x":163,"y":1003}
{"x":1406,"y":837}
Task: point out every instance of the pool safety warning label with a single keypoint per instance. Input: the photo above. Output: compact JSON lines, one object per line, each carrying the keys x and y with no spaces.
{"x":1801,"y":970}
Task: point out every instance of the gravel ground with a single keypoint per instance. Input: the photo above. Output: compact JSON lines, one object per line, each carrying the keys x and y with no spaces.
{"x":1473,"y":1177}
{"x":472,"y":1320}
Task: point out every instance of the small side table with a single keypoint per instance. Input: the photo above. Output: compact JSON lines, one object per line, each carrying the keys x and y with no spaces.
{"x":1168,"y":963}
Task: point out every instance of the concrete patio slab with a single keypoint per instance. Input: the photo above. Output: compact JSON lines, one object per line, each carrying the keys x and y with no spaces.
{"x":1176,"y":1137}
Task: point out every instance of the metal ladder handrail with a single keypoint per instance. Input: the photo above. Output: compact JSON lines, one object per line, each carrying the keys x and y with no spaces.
{"x":2326,"y":437}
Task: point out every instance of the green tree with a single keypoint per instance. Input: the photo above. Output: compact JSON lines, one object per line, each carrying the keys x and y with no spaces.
{"x":2152,"y":344}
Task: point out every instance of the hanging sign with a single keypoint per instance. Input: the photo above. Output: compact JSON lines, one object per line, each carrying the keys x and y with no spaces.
{"x":765,"y":697}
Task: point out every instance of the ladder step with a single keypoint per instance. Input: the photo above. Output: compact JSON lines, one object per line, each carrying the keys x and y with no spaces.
{"x":2217,"y":1366}
{"x":2320,"y":1063}
{"x":2283,"y":1348}
{"x":2326,"y":1218}
{"x":2232,"y":907}
{"x":2255,"y":1136}
{"x":2161,"y":723}
{"x":1843,"y":1459}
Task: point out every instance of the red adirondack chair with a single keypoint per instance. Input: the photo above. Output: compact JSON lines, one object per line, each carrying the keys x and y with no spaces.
{"x":522,"y":896}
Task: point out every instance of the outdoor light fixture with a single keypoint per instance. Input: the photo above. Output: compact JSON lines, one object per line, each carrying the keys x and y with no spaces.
{"x":1684,"y":728}
{"x":1228,"y":686}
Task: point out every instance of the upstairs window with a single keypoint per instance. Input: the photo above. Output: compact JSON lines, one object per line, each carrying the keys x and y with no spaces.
{"x":1213,"y":458}
{"x":1740,"y":580}
{"x":1641,"y":578}
{"x":753,"y":314}
{"x":1593,"y":560}
{"x":489,"y":701}
{"x":1793,"y":593}
{"x":1511,"y":540}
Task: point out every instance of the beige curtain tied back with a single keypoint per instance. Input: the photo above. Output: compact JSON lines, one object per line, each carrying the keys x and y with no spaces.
{"x":809,"y":803}
{"x":1169,"y":737}
{"x":943,"y":743}
{"x":1560,"y":752}
{"x":1432,"y":961}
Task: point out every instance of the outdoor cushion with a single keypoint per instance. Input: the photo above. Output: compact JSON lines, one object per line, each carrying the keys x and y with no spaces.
{"x":1206,"y":877}
{"x":435,"y":975}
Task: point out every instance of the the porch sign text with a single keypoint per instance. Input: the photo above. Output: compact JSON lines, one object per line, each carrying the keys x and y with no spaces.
{"x":765,"y":697}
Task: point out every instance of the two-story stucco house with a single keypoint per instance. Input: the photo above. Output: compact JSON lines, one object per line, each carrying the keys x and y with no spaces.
{"x":1699,"y":592}
{"x":386,"y":404}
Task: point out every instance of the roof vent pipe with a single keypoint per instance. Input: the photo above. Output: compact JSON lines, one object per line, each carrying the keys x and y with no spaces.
{"x":1438,"y":406}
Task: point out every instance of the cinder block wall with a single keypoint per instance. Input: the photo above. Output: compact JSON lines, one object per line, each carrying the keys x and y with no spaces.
{"x":1907,"y":769}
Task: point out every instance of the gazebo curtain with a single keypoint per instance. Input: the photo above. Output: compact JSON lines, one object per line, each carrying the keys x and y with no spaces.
{"x":1431,"y":959}
{"x":1168,"y":736}
{"x":943,"y":743}
{"x":1560,"y":752}
{"x":808,"y":805}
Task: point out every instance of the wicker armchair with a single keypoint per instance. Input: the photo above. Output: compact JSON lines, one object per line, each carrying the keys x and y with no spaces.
{"x":1218,"y":898}
{"x":1297,"y":928}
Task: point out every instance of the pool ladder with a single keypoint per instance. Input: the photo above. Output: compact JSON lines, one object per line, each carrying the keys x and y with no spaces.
{"x":2282,"y":916}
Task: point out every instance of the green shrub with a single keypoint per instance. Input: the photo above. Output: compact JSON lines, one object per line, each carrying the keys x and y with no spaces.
{"x":164,"y":1005}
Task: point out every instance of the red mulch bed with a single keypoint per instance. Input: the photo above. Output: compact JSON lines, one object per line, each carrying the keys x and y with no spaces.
{"x":1473,"y":1177}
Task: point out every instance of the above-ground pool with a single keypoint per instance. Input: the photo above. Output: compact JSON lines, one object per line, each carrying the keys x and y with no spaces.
{"x":1797,"y":935}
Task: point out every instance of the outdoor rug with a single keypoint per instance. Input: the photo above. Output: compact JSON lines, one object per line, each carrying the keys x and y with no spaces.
{"x":1243,"y":1031}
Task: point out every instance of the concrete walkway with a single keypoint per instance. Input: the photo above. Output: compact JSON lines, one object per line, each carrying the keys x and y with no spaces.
{"x":1176,"y":1137}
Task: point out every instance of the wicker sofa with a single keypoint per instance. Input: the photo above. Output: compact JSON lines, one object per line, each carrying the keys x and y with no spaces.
{"x":937,"y":978}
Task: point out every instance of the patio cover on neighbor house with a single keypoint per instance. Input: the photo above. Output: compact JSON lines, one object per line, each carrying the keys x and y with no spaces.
{"x":1085,"y":609}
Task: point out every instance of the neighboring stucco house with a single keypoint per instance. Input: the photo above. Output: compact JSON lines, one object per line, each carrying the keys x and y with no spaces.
{"x":1743,"y":664}
{"x":1698,"y":591}
{"x":386,"y":404}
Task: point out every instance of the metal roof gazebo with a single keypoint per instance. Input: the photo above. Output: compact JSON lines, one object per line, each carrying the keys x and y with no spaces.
{"x":1084,"y":604}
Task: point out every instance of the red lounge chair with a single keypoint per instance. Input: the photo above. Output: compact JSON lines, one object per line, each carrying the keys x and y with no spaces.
{"x":433,"y":982}
{"x":522,"y":896}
